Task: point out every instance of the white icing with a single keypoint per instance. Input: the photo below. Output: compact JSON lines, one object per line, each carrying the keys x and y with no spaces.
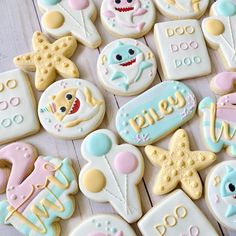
{"x":182,"y":49}
{"x":175,"y":206}
{"x":18,"y":117}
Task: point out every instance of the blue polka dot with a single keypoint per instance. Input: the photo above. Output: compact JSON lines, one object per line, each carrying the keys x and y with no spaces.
{"x":226,"y":8}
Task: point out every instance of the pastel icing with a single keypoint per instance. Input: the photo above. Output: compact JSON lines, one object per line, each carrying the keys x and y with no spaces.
{"x":126,"y":67}
{"x":182,"y":49}
{"x":71,"y":108}
{"x":103,"y":225}
{"x":112,"y":175}
{"x":78,"y":20}
{"x":226,"y":8}
{"x":18,"y":117}
{"x":175,"y":215}
{"x":39,"y":193}
{"x":155,"y":113}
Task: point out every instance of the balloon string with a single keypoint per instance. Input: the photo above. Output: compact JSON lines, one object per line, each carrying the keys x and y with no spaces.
{"x":231,"y":35}
{"x":126,"y":193}
{"x":227,"y":42}
{"x":83,"y":23}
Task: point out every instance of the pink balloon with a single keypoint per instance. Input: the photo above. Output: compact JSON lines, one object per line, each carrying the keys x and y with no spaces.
{"x":78,"y":4}
{"x":125,"y":162}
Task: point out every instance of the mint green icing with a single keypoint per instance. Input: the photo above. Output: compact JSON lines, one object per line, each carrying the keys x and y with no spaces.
{"x":226,"y":8}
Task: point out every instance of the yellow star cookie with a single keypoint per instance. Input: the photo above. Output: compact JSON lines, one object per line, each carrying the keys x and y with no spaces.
{"x":48,"y":59}
{"x":179,"y":165}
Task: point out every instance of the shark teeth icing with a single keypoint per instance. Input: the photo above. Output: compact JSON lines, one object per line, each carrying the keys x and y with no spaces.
{"x":129,"y":63}
{"x":124,"y":9}
{"x":75,"y":106}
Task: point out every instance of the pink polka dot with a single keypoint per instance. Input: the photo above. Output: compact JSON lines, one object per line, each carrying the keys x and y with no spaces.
{"x":78,"y":4}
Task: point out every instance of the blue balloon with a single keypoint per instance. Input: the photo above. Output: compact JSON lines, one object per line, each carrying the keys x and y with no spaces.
{"x":226,"y":8}
{"x":50,"y":2}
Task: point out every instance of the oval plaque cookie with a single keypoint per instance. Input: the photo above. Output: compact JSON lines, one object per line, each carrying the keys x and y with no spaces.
{"x":156,"y":113}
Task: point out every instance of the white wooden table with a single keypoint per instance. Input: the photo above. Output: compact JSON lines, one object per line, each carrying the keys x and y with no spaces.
{"x":18,"y":20}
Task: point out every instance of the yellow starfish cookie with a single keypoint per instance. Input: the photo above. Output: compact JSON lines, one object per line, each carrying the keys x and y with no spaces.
{"x":179,"y":165}
{"x":48,"y":59}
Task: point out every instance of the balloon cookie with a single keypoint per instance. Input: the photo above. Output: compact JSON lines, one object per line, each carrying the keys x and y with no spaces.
{"x":128,"y":18}
{"x":49,"y":59}
{"x":182,"y":49}
{"x":39,"y":193}
{"x":176,"y":215}
{"x":103,"y":225}
{"x":182,"y":9}
{"x":75,"y":17}
{"x":126,"y":67}
{"x":220,"y":33}
{"x":112,"y":173}
{"x":18,"y":116}
{"x":179,"y":165}
{"x":219,"y":123}
{"x":72,"y":108}
{"x":220,"y":192}
{"x":224,"y":83}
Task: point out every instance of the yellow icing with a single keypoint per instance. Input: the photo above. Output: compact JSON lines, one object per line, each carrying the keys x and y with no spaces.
{"x":170,"y":221}
{"x":53,"y":19}
{"x":11,"y":84}
{"x":215,"y":27}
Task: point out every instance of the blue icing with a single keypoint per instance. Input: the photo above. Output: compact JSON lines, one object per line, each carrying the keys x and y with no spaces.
{"x":50,"y":2}
{"x":226,"y":8}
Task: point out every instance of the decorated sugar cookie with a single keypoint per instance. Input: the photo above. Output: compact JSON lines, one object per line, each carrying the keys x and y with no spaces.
{"x":128,"y":18}
{"x":72,"y":108}
{"x":176,"y":215}
{"x":63,"y":17}
{"x":112,"y":173}
{"x":179,"y":165}
{"x":182,"y":49}
{"x":39,"y":193}
{"x":224,"y":83}
{"x":219,"y":123}
{"x":182,"y":9}
{"x":49,"y":59}
{"x":126,"y":67}
{"x":155,"y":113}
{"x":219,"y":31}
{"x":220,"y":193}
{"x":18,"y":116}
{"x":103,"y":225}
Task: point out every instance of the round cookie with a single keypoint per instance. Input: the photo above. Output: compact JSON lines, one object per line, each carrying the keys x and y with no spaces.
{"x":128,"y":18}
{"x":126,"y":67}
{"x":72,"y":108}
{"x":102,"y":225}
{"x":220,"y":192}
{"x":182,"y":9}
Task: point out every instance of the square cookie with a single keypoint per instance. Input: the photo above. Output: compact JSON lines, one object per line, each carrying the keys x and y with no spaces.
{"x":175,"y":215}
{"x":18,"y":117}
{"x":182,"y":49}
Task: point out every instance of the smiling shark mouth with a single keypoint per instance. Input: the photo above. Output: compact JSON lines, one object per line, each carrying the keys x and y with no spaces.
{"x":75,"y":106}
{"x":124,"y":9}
{"x":234,"y":196}
{"x":129,"y":63}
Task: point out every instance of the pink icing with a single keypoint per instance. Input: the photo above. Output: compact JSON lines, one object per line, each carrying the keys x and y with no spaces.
{"x":109,"y":14}
{"x":15,"y":101}
{"x":3,"y":105}
{"x":225,"y":81}
{"x":78,"y":4}
{"x":125,"y":162}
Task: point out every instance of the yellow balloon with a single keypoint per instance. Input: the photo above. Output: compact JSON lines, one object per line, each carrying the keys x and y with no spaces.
{"x":215,"y":27}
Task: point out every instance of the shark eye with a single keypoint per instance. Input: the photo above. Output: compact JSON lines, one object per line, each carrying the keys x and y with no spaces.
{"x":118,"y":1}
{"x":129,"y":1}
{"x":68,"y":96}
{"x":131,"y":51}
{"x":62,"y":109}
{"x":118,"y":57}
{"x":230,"y":187}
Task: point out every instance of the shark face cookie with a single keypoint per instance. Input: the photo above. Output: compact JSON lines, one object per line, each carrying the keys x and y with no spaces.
{"x":176,"y":215}
{"x":103,"y":225}
{"x":128,"y":18}
{"x":182,"y":9}
{"x":75,"y":17}
{"x":18,"y":116}
{"x":219,"y":31}
{"x":39,"y":193}
{"x":220,"y":193}
{"x":112,"y":173}
{"x":72,"y":108}
{"x":126,"y":67}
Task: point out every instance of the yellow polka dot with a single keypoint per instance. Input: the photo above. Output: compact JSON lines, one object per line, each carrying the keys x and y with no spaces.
{"x":53,"y":20}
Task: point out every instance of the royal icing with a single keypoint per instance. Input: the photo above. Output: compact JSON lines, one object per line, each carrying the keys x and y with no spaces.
{"x":126,"y":67}
{"x":219,"y":30}
{"x":224,"y":83}
{"x":218,"y":123}
{"x":63,"y":17}
{"x":38,"y":193}
{"x":182,"y":49}
{"x":175,"y":215}
{"x":112,"y":173}
{"x":179,"y":165}
{"x":18,"y":117}
{"x":182,"y":9}
{"x":155,"y":113}
{"x":103,"y":225}
{"x":128,"y":18}
{"x":48,"y":59}
{"x":71,"y":108}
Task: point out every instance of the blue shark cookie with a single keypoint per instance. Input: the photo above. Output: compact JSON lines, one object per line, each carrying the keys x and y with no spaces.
{"x":126,"y":67}
{"x":220,"y":193}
